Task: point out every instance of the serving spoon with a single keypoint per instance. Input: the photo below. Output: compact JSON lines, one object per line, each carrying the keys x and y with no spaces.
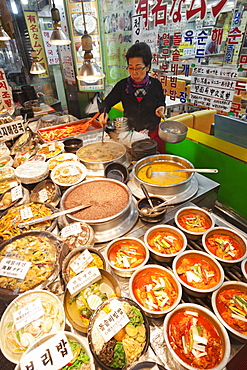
{"x":156,"y":208}
{"x":150,"y":172}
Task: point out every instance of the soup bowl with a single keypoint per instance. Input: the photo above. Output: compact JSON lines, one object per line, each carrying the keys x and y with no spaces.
{"x":80,"y":308}
{"x":151,"y":217}
{"x":193,"y":221}
{"x":244,"y":268}
{"x":166,"y":290}
{"x":174,"y":328}
{"x":15,"y":341}
{"x":198,"y":272}
{"x":226,"y":245}
{"x":225,"y":302}
{"x":126,"y":255}
{"x":161,"y":162}
{"x":165,"y":242}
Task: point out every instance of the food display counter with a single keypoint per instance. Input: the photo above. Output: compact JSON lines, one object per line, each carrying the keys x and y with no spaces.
{"x":201,"y":192}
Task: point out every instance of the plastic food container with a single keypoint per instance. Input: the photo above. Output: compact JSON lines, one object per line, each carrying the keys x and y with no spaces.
{"x":30,"y":173}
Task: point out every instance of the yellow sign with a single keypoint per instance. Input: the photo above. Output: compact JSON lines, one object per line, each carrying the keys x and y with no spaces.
{"x":185,"y":45}
{"x":34,"y":31}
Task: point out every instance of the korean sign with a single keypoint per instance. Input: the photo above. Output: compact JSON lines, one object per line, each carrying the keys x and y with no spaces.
{"x":112,"y":323}
{"x":34,"y":31}
{"x":92,"y":27}
{"x":213,"y":87}
{"x":54,"y":353}
{"x":5,"y":93}
{"x":51,"y":50}
{"x":11,"y":130}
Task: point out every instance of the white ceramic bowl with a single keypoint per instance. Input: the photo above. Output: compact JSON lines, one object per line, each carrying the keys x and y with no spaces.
{"x":71,"y":336}
{"x":127,"y":242}
{"x":165,"y":257}
{"x":195,"y":210}
{"x":213,"y":319}
{"x":193,"y":291}
{"x":7,"y":339}
{"x":147,"y":269}
{"x":244,"y":268}
{"x":229,"y":285}
{"x":227,"y":232}
{"x":68,"y":174}
{"x":61,"y":158}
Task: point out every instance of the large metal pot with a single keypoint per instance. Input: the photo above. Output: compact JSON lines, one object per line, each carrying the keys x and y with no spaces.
{"x":110,"y":227}
{"x":173,"y":189}
{"x":117,"y":150}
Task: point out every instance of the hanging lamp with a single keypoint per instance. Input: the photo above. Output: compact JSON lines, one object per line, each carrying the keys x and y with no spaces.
{"x":3,"y":34}
{"x":36,"y":67}
{"x":90,"y":72}
{"x":58,"y":37}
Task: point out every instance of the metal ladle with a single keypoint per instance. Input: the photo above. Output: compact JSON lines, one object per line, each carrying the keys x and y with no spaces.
{"x":150,"y":172}
{"x":156,"y":208}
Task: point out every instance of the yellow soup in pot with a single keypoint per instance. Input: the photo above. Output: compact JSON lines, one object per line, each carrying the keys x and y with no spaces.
{"x":155,"y":173}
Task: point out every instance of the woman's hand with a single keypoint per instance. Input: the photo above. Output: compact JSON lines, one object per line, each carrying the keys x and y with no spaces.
{"x":103,"y":118}
{"x":160,"y":111}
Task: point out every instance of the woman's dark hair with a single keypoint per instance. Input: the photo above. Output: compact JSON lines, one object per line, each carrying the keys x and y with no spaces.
{"x":140,"y":50}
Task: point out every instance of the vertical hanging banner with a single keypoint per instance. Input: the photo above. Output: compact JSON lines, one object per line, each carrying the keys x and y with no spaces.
{"x":51,"y":50}
{"x":92,"y":27}
{"x":213,"y":87}
{"x":35,"y":35}
{"x":65,"y":53}
{"x":6,"y":99}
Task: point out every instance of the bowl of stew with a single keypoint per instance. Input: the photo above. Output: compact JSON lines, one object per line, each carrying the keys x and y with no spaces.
{"x":196,"y":338}
{"x":193,"y":221}
{"x":229,"y":303}
{"x":226,"y":245}
{"x":244,"y":268}
{"x":155,"y":289}
{"x":125,"y":255}
{"x":165,"y":242}
{"x":198,"y":272}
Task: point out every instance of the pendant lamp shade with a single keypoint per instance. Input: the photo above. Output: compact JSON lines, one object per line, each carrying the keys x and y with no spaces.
{"x":3,"y":34}
{"x":90,"y":72}
{"x":36,"y":67}
{"x":58,"y":37}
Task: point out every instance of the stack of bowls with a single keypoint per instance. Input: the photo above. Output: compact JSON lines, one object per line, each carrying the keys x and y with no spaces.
{"x":143,"y":148}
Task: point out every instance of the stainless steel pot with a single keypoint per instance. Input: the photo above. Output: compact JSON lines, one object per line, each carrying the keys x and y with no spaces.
{"x":112,"y":227}
{"x":173,"y":189}
{"x":118,"y":148}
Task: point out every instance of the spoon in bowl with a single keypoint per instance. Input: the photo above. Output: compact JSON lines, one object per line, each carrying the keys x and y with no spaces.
{"x":156,"y":208}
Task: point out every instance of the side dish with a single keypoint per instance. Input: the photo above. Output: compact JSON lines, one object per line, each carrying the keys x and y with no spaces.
{"x":194,"y":222}
{"x":224,"y":246}
{"x":165,"y":241}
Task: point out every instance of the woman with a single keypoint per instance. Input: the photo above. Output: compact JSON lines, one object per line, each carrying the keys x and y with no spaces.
{"x":141,"y":95}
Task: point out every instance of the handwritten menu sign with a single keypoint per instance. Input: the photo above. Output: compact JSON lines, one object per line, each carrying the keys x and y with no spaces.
{"x":83,"y":280}
{"x":81,"y":262}
{"x":112,"y":323}
{"x":26,"y":212}
{"x":72,"y":229}
{"x":11,"y":130}
{"x":14,"y":268}
{"x":54,"y":354}
{"x":213,"y":87}
{"x":16,"y":193}
{"x":5,"y":93}
{"x":27,"y":314}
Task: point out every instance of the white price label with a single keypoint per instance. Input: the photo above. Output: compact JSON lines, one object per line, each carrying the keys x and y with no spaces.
{"x":16,"y":193}
{"x":83,"y":280}
{"x":81,"y":262}
{"x":14,"y":268}
{"x":26,"y":212}
{"x":27,"y":314}
{"x":13,"y":184}
{"x":73,"y":171}
{"x":43,"y":195}
{"x":72,"y":229}
{"x":54,"y":353}
{"x":112,"y":323}
{"x":52,"y":147}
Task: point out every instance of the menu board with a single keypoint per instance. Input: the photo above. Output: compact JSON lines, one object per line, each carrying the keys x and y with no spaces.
{"x":77,"y":28}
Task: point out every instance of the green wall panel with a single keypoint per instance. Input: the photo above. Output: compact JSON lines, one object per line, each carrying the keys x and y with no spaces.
{"x":232,"y":175}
